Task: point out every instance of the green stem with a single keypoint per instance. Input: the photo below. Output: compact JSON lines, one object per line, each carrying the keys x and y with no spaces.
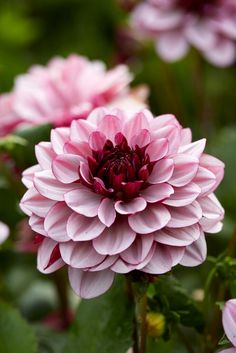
{"x":62,"y":293}
{"x":142,"y":311}
{"x":130,"y":293}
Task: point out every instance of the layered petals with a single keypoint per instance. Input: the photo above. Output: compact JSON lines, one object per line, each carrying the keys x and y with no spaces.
{"x":121,"y":192}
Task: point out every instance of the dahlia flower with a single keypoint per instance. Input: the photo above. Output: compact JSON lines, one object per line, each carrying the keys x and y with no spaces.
{"x":8,"y":119}
{"x":4,"y":232}
{"x":174,"y":25}
{"x":68,"y":89}
{"x":120,"y":192}
{"x":229,"y":324}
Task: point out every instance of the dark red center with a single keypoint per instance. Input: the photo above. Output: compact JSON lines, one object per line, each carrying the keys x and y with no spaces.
{"x":200,"y":7}
{"x":123,"y":169}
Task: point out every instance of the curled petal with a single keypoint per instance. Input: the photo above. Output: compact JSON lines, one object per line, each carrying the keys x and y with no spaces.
{"x":151,"y":219}
{"x":81,"y":228}
{"x":49,"y":259}
{"x":90,"y":284}
{"x":115,"y":239}
{"x":66,"y":168}
{"x":195,"y":254}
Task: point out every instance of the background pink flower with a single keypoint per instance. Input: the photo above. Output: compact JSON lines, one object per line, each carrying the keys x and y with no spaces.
{"x":8,"y":118}
{"x":68,"y":89}
{"x":229,"y":323}
{"x":120,"y":192}
{"x":4,"y":232}
{"x":208,"y":25}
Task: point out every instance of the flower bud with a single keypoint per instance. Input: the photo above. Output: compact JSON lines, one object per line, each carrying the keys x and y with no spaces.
{"x":229,"y":320}
{"x":155,"y":324}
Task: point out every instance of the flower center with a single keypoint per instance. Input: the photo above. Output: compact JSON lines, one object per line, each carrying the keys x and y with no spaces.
{"x":200,"y":7}
{"x":122,"y":169}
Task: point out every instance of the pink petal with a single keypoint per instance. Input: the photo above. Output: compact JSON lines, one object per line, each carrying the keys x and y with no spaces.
{"x":80,"y":254}
{"x":66,"y":168}
{"x":115,"y":239}
{"x":56,"y":220}
{"x":157,"y":149}
{"x":110,"y":125}
{"x":33,"y":202}
{"x":37,"y":224}
{"x":194,"y":149}
{"x":44,"y":254}
{"x":176,"y":254}
{"x":186,"y":136}
{"x":28,"y":175}
{"x":97,"y":140}
{"x":107,"y":263}
{"x":161,"y":261}
{"x":141,"y":139}
{"x":44,"y":154}
{"x":106,"y":212}
{"x":81,"y":228}
{"x":195,"y":253}
{"x":185,"y":169}
{"x":90,"y":284}
{"x":213,"y":213}
{"x":80,"y":130}
{"x":83,"y":201}
{"x":171,"y":46}
{"x":229,"y":320}
{"x":157,"y":192}
{"x":206,"y":180}
{"x":58,"y":138}
{"x":136,"y":205}
{"x":178,"y":237}
{"x":223,"y":54}
{"x":48,"y":186}
{"x":162,"y":171}
{"x":183,"y":196}
{"x":151,"y":219}
{"x":138,"y":250}
{"x":214,"y":165}
{"x":184,"y":216}
{"x":138,"y":122}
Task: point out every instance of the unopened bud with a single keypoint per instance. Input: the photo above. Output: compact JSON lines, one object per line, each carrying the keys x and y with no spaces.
{"x":155,"y":324}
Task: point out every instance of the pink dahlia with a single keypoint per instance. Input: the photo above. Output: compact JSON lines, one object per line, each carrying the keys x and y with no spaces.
{"x":229,"y":324}
{"x":120,"y":192}
{"x":208,"y":25}
{"x":8,"y":118}
{"x":68,"y":89}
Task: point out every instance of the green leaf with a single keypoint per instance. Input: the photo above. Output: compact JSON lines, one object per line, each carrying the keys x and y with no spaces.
{"x":104,"y":324}
{"x":175,"y":303}
{"x":16,"y":335}
{"x":50,"y":341}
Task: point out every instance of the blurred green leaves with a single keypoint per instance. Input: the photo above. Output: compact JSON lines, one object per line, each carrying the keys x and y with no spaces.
{"x":104,"y":324}
{"x":16,"y":28}
{"x":16,"y":335}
